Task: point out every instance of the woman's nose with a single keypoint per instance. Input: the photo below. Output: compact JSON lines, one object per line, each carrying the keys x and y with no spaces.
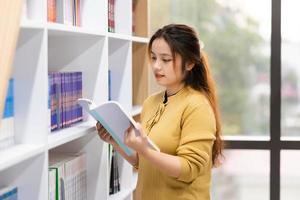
{"x":156,"y":65}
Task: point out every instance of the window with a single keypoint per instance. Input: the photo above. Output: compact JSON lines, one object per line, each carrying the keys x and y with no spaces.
{"x":290,"y":88}
{"x":290,"y":175}
{"x":244,"y":176}
{"x":254,"y":49}
{"x":236,"y":34}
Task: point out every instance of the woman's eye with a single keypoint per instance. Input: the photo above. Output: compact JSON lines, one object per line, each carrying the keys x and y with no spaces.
{"x":166,"y":60}
{"x":153,"y":58}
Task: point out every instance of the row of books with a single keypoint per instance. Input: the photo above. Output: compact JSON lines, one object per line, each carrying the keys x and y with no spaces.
{"x":64,"y":11}
{"x":9,"y":193}
{"x":64,"y":90}
{"x":69,"y":12}
{"x":67,"y":177}
{"x":7,"y":122}
{"x":114,"y":182}
{"x":111,"y":16}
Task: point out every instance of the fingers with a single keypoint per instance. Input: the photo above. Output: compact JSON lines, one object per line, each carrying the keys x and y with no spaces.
{"x":106,"y":136}
{"x":102,"y":131}
{"x":99,"y":126}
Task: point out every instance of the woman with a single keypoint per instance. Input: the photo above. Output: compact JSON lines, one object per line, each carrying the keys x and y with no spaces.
{"x":183,"y":121}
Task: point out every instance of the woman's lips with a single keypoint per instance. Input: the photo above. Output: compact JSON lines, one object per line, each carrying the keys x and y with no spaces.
{"x":158,"y":76}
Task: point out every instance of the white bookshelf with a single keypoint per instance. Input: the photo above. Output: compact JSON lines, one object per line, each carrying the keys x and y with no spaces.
{"x":44,"y":46}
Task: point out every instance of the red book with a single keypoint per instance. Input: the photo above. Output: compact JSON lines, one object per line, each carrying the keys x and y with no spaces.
{"x":51,"y":9}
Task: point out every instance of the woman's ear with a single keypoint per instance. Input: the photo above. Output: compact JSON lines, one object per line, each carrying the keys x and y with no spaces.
{"x":189,"y":66}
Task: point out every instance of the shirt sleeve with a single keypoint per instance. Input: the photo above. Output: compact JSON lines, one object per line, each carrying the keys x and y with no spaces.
{"x":197,"y":138}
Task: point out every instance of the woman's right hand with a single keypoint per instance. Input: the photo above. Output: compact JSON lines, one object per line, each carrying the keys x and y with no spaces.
{"x":104,"y":135}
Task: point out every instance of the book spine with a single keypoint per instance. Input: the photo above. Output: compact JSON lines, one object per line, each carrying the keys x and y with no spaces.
{"x":9,"y":193}
{"x":109,"y":16}
{"x":58,"y":99}
{"x":49,"y":100}
{"x":52,"y":184}
{"x":62,"y":97}
{"x":77,"y":12}
{"x":111,"y":181}
{"x":69,"y":99}
{"x":134,"y":2}
{"x":51,"y":10}
{"x":54,"y":100}
{"x":7,"y":123}
{"x":74,"y":12}
{"x":69,"y":12}
{"x":109,"y":85}
{"x":60,"y":11}
{"x":111,"y":20}
{"x":79,"y":95}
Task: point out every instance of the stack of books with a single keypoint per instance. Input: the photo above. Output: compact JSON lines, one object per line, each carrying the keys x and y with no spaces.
{"x":67,"y":177}
{"x":64,"y":11}
{"x":111,"y":16}
{"x":64,"y":90}
{"x":114,"y":183}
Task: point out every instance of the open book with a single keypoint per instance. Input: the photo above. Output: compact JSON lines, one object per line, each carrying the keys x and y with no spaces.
{"x":114,"y":119}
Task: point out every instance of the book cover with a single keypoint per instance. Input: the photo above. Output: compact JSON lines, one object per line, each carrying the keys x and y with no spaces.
{"x":52,"y":184}
{"x":9,"y":193}
{"x":114,"y":119}
{"x":7,"y":125}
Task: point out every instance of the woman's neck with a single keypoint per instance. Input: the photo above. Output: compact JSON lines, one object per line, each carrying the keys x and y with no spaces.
{"x":174,"y":90}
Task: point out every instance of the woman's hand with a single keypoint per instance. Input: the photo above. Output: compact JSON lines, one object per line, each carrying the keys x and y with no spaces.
{"x":138,"y":143}
{"x":104,"y":135}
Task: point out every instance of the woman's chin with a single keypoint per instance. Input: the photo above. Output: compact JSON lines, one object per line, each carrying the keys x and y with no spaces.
{"x":160,"y":82}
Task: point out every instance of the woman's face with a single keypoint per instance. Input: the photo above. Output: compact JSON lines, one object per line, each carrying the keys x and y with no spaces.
{"x":167,"y":71}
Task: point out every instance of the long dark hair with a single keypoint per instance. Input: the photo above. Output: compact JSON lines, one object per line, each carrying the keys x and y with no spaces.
{"x":183,"y":40}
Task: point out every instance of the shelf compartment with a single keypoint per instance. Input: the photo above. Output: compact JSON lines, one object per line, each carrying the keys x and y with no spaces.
{"x":140,"y":18}
{"x":29,"y":174}
{"x":119,"y":64}
{"x":96,"y":160}
{"x":34,"y":10}
{"x":56,"y":29}
{"x":85,"y":54}
{"x":140,"y":73}
{"x":94,"y":14}
{"x":69,"y":134}
{"x":124,"y":193}
{"x":123,"y":17}
{"x":18,"y":153}
{"x":30,"y":87}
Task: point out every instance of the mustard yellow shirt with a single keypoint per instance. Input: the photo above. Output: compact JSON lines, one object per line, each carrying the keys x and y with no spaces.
{"x":185,"y":127}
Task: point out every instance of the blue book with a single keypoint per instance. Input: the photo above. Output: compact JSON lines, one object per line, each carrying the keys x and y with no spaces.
{"x":109,"y":85}
{"x":53,"y":99}
{"x":7,"y":123}
{"x":9,"y":101}
{"x":9,"y":193}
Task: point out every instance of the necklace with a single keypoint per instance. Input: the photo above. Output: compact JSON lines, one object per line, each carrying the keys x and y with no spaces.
{"x":166,"y":95}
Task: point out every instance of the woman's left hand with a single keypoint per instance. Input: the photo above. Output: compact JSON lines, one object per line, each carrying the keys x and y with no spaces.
{"x":139,"y":143}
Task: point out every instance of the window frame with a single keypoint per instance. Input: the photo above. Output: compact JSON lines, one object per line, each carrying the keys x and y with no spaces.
{"x":275,"y":143}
